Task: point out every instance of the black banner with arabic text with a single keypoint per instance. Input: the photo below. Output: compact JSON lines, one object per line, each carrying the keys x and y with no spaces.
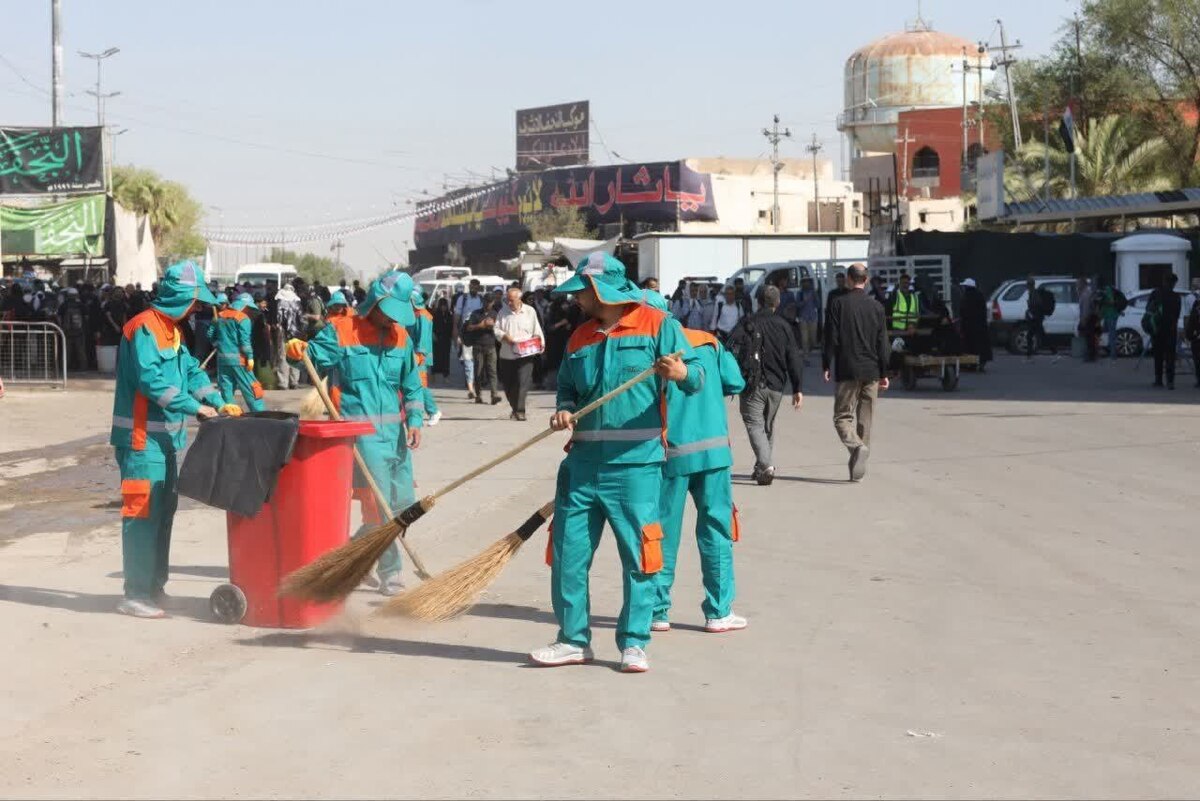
{"x":35,"y":161}
{"x":552,"y":136}
{"x":657,"y":192}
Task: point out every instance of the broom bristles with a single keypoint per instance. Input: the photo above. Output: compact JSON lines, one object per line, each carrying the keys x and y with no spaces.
{"x":456,"y":590}
{"x":312,"y":407}
{"x":336,"y":574}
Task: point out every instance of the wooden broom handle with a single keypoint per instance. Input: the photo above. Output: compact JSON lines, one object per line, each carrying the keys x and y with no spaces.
{"x":586,"y":410}
{"x":207,"y":358}
{"x":380,"y":498}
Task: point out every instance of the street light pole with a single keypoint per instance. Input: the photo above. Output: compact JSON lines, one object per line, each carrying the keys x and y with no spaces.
{"x":99,"y":57}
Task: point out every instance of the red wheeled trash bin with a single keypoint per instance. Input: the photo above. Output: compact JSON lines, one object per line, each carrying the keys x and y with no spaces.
{"x":308,"y":515}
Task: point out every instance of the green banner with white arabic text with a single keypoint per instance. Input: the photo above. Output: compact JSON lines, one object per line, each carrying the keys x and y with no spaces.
{"x":70,"y":228}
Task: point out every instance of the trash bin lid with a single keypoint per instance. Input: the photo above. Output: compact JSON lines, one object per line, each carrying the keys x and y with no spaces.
{"x":335,"y":429}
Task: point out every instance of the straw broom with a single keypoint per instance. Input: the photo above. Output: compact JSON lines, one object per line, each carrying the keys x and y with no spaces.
{"x":332,"y":573}
{"x":453,"y":592}
{"x":336,"y":574}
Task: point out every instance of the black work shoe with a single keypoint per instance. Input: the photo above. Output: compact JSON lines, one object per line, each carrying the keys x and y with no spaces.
{"x":496,"y":399}
{"x":766,"y":476}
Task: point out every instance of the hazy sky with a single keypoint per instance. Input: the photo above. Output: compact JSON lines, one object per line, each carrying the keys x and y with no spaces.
{"x":297,"y":111}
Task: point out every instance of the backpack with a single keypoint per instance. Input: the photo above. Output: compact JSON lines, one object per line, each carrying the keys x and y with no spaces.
{"x":1150,"y":320}
{"x":747,"y":350}
{"x":1120,"y":302}
{"x":1049,"y":302}
{"x":73,"y":317}
{"x":470,"y":336}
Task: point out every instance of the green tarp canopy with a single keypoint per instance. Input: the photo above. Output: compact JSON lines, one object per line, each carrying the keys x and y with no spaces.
{"x":71,"y":228}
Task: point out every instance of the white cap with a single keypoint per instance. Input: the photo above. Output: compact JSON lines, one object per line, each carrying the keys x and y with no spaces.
{"x":968,"y":282}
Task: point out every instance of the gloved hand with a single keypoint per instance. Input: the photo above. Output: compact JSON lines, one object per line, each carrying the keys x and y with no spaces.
{"x":296,"y":349}
{"x":231,"y":410}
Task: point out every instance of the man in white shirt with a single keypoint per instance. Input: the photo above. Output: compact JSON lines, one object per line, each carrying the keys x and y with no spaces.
{"x":726,"y":314}
{"x":521,"y":343}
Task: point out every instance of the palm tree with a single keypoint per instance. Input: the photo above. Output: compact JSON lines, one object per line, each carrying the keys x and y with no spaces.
{"x":1111,"y":158}
{"x":173,"y":213}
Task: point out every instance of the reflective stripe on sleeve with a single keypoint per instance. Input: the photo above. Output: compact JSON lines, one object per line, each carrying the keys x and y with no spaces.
{"x":203,"y":392}
{"x":164,"y":400}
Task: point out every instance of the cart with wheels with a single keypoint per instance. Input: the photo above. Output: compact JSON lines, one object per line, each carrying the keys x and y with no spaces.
{"x":307,"y":515}
{"x":945,"y":368}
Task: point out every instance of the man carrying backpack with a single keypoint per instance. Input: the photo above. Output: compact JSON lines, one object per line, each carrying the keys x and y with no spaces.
{"x":1040,"y":304}
{"x":765,"y":349}
{"x":1161,"y":322}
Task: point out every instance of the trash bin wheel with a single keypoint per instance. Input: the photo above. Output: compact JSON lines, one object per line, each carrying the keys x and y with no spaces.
{"x":949,"y":379}
{"x":228,"y":604}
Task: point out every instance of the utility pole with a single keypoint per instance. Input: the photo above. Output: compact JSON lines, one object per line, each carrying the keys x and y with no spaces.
{"x":56,"y":58}
{"x":966,"y":67}
{"x":1007,"y":61}
{"x":815,"y":147}
{"x":775,"y":136}
{"x":906,"y":141}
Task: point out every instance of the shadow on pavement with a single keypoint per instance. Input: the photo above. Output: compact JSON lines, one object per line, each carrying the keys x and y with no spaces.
{"x":746,"y":480}
{"x":202,"y":571}
{"x":357,"y":643}
{"x":90,"y":603}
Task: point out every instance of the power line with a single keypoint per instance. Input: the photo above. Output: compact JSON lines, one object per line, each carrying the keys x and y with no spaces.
{"x":774,"y":136}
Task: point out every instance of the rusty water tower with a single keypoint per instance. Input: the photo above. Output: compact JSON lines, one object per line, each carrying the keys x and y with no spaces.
{"x":913,"y":69}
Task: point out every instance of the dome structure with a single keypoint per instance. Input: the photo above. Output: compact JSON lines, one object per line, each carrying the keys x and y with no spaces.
{"x":913,"y":69}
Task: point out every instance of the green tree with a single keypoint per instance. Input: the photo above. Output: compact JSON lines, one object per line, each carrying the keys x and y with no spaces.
{"x":564,"y":221}
{"x":1111,"y":158}
{"x":174,"y":214}
{"x":1159,"y":42}
{"x":309,"y":266}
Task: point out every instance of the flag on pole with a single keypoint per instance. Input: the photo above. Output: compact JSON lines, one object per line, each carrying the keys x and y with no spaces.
{"x":1066,"y":129}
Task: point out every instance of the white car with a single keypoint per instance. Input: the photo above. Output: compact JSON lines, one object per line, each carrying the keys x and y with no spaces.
{"x":1009,"y":302}
{"x":1131,"y":338}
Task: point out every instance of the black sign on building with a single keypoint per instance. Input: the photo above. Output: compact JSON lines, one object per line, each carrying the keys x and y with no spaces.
{"x":552,"y":136}
{"x":51,"y":160}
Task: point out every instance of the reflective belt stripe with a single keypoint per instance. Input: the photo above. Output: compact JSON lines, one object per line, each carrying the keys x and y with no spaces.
{"x":375,"y":418}
{"x":164,"y":400}
{"x":696,"y":447}
{"x":156,"y":426}
{"x":141,"y":408}
{"x":617,"y":435}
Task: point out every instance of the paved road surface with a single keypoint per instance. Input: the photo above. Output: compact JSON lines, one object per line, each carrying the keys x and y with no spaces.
{"x":1006,"y":607}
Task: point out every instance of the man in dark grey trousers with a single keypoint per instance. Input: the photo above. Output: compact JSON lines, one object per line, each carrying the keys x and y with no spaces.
{"x":766,"y":350}
{"x":856,"y":347}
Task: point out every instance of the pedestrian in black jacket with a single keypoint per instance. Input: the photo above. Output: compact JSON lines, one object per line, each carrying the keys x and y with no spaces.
{"x":1164,"y":307}
{"x":766,"y":350}
{"x":856,"y":353}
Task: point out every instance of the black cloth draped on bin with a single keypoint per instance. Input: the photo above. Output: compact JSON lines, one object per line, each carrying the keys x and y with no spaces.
{"x":235,"y":461}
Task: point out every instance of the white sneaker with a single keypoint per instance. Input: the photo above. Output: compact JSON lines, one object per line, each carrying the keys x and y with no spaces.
{"x":634,"y":660}
{"x":720,"y":625}
{"x":660,"y":625}
{"x":436,"y":418}
{"x":560,"y":653}
{"x":137,"y":607}
{"x":392,"y":585}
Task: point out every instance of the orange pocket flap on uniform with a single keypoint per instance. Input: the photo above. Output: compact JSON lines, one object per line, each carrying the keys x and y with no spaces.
{"x":135,"y":497}
{"x":735,"y":526}
{"x":652,"y":557}
{"x":257,"y":389}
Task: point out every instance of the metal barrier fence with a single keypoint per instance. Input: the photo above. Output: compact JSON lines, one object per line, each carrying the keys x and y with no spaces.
{"x":33,"y":353}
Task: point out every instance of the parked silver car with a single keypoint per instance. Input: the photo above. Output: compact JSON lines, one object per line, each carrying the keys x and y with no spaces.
{"x":1009,"y":302}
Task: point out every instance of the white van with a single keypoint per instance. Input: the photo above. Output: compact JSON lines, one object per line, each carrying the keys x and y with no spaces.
{"x":441,"y":273}
{"x":259,"y":274}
